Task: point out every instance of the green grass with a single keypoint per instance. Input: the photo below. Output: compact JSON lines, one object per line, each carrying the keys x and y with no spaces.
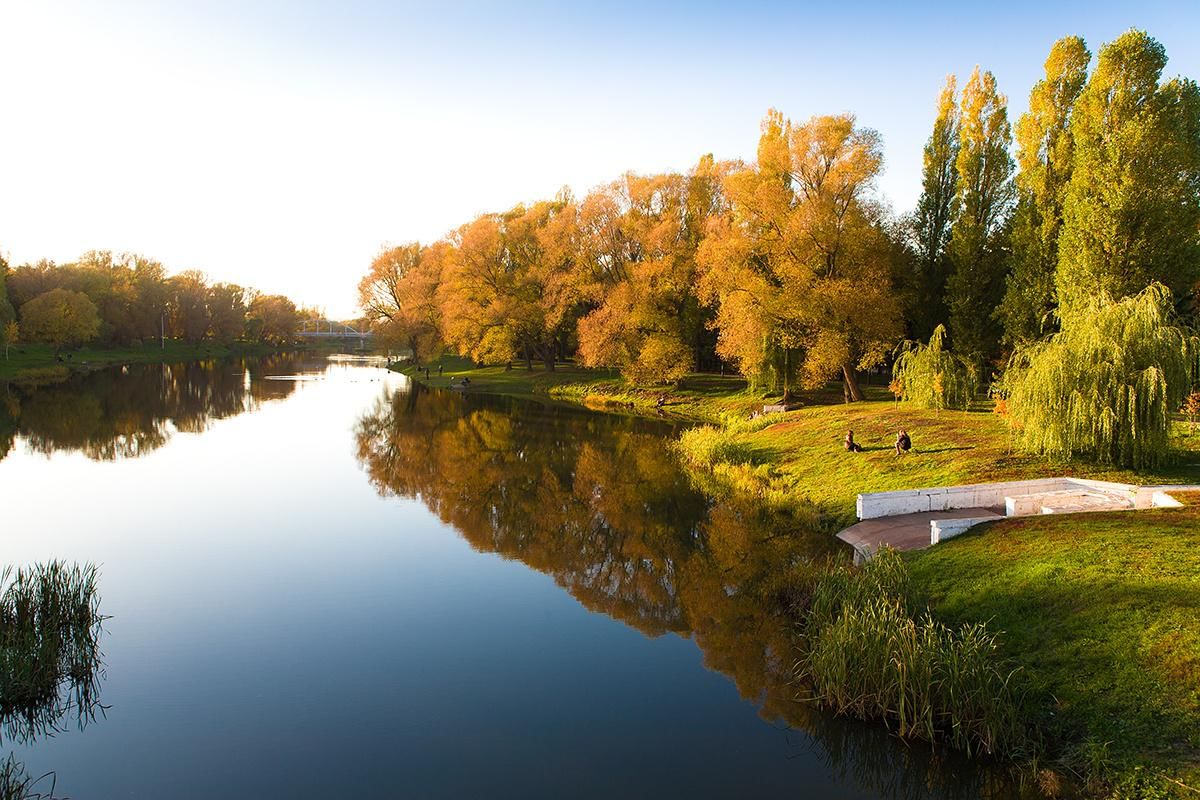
{"x":36,"y":363}
{"x":802,"y":456}
{"x":1102,"y":613}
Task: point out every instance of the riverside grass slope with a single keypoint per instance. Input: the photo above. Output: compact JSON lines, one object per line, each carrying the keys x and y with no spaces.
{"x":1102,"y":614}
{"x":1099,"y":611}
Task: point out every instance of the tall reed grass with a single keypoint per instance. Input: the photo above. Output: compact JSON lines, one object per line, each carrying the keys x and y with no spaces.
{"x":707,"y":446}
{"x":50,"y":626}
{"x":865,"y":654}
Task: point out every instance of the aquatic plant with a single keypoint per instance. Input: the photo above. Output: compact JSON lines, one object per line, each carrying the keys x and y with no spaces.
{"x":16,"y":783}
{"x":865,"y":654}
{"x":50,"y":626}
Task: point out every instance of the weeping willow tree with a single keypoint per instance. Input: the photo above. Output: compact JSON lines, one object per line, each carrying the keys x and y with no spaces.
{"x":930,"y":376}
{"x":1105,"y":386}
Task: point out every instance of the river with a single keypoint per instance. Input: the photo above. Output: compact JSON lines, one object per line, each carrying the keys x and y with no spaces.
{"x":322,"y":582}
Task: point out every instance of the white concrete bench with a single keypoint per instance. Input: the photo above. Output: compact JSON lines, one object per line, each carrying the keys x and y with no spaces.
{"x":1067,"y":501}
{"x":940,"y":529}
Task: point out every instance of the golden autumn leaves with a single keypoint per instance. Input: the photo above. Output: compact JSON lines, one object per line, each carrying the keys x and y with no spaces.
{"x":787,"y":257}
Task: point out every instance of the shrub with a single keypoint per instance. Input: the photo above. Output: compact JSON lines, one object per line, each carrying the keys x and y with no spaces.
{"x":929,"y":376}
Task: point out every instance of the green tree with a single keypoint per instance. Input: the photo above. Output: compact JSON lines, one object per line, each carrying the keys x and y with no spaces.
{"x":1105,"y":385}
{"x":1045,"y":155}
{"x":60,"y":317}
{"x":929,"y":376}
{"x":977,"y":240}
{"x":1132,"y":210}
{"x":6,"y":310}
{"x":935,"y":214}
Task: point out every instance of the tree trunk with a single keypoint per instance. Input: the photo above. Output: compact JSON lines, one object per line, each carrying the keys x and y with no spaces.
{"x":548,"y":355}
{"x":850,"y":387}
{"x":528,"y":359}
{"x":788,"y":397}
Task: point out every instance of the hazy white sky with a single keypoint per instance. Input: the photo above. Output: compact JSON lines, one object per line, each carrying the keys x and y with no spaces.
{"x":280,"y":144}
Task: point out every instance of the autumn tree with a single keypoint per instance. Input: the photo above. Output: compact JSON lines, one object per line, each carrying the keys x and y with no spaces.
{"x":272,"y":318}
{"x":399,"y":297}
{"x":187,"y":304}
{"x":648,"y":320}
{"x":10,"y":332}
{"x":60,"y":317}
{"x":1132,"y":209}
{"x":507,"y":284}
{"x":801,"y":261}
{"x":936,"y":212}
{"x":226,"y":307}
{"x":977,"y":240}
{"x":1045,"y":155}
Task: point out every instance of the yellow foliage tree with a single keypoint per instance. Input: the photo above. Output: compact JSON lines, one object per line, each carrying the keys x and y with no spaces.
{"x":60,"y":317}
{"x":801,"y":264}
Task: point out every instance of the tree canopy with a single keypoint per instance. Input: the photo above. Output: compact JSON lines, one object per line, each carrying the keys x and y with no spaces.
{"x":60,"y":317}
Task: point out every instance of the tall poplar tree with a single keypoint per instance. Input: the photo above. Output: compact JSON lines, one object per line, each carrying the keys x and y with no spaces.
{"x":1045,"y":155}
{"x":935,"y":214}
{"x":977,"y":239}
{"x":1132,"y":210}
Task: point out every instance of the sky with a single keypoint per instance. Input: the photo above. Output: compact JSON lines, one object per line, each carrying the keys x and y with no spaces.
{"x":280,"y":145}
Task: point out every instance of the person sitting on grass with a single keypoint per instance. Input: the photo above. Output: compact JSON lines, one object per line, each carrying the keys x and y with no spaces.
{"x":903,"y":442}
{"x":851,"y":445}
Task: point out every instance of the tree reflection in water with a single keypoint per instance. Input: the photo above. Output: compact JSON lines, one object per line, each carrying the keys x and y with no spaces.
{"x":599,"y":503}
{"x":50,"y":667}
{"x":130,"y":411}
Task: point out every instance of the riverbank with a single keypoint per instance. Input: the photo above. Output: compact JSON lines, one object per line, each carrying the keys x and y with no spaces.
{"x":1101,"y":613}
{"x":1096,"y":613}
{"x":797,"y":458}
{"x":40,"y":364}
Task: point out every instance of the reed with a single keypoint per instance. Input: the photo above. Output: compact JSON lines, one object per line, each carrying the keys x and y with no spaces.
{"x":708,"y":446}
{"x":49,"y":646}
{"x":866,"y":655}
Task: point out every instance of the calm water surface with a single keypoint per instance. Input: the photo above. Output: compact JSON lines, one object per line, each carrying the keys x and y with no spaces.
{"x":324,"y":583}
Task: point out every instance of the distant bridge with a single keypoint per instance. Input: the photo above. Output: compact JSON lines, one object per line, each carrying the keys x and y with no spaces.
{"x":328,"y":329}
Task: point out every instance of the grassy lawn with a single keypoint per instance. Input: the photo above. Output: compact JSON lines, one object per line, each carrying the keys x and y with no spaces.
{"x":802,"y":456}
{"x":1102,"y":613}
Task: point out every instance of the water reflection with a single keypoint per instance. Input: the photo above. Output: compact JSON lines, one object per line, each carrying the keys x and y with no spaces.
{"x":130,"y":411}
{"x":599,"y":503}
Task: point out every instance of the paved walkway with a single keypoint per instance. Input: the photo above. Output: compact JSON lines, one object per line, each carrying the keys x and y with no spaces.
{"x":905,"y":531}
